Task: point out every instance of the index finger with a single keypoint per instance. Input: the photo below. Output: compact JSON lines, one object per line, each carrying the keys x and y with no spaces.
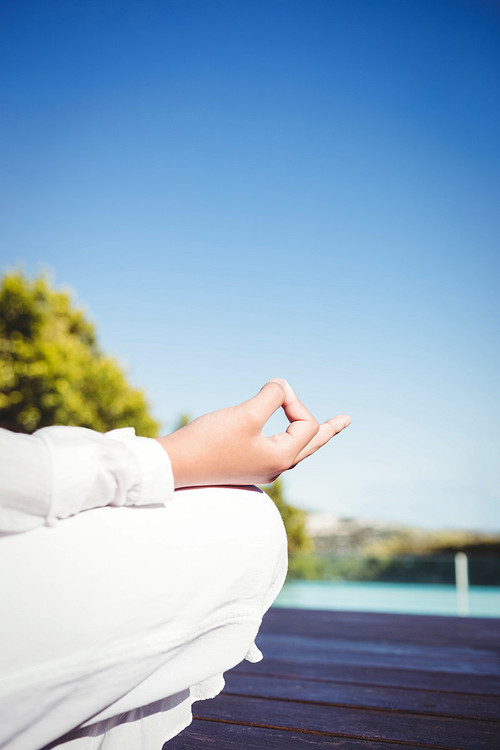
{"x":303,"y":426}
{"x":293,"y":408}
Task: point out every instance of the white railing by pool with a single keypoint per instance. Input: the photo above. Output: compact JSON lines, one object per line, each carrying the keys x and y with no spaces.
{"x":462,"y":583}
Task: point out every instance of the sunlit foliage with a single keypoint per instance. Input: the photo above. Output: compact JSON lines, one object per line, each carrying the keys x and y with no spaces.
{"x":51,"y":368}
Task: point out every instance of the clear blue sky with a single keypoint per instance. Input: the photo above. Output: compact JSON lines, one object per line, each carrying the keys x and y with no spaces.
{"x":297,"y":188}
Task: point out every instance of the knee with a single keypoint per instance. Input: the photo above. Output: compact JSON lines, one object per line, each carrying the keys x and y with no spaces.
{"x":262,"y":530}
{"x":242,"y":530}
{"x":256,"y":516}
{"x":265,"y":518}
{"x":278,"y":543}
{"x":242,"y":510}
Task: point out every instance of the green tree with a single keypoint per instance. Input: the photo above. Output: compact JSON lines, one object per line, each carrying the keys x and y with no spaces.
{"x":51,"y":368}
{"x":293,"y":518}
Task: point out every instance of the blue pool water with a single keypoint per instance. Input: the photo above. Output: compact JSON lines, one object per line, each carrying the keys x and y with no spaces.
{"x":412,"y":598}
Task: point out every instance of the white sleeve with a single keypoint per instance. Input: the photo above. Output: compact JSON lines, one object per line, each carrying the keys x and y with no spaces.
{"x":60,"y":471}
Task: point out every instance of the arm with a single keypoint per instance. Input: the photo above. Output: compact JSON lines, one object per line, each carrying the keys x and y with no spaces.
{"x":228,"y":447}
{"x":60,"y":471}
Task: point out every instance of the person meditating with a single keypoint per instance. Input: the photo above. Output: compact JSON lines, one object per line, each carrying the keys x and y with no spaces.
{"x":136,"y":571}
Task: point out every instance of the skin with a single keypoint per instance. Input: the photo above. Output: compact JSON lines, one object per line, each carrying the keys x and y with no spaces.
{"x":228,"y":447}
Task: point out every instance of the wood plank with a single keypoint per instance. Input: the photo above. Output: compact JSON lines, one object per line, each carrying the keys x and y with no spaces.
{"x":363,"y":674}
{"x":347,"y":695}
{"x":378,"y":646}
{"x":468,"y":631}
{"x":203,"y":735}
{"x":310,"y":649}
{"x":428,"y":731}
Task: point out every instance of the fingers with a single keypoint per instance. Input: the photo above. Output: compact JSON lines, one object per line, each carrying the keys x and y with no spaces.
{"x":303,"y":426}
{"x":303,"y":436}
{"x":275,"y":393}
{"x":326,"y":431}
{"x":293,"y":408}
{"x":270,"y":397}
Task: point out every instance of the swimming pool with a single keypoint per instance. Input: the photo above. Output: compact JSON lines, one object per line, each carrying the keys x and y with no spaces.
{"x":411,"y":598}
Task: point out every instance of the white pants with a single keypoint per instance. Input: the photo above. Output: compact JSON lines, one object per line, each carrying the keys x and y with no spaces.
{"x":117,"y":619}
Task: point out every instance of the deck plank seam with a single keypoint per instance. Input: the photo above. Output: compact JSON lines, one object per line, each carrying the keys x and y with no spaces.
{"x":357,"y":707}
{"x":405,"y":649}
{"x":318,"y":733}
{"x":495,"y":673}
{"x":300,"y":678}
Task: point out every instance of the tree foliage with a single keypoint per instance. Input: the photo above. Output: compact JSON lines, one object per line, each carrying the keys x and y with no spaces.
{"x":293,"y":518}
{"x":51,"y":368}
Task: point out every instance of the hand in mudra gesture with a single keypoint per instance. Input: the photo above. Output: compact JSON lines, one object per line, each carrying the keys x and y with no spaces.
{"x":228,"y":447}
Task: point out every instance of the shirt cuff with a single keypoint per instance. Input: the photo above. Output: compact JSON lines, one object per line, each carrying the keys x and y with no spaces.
{"x":157,"y":480}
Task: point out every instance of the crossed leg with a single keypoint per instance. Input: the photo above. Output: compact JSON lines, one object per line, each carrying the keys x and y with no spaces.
{"x":119,"y":618}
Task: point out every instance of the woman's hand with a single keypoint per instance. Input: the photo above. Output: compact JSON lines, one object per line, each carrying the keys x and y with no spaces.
{"x":228,"y":447}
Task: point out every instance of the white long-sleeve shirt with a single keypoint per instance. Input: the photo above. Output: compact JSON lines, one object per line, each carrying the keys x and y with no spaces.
{"x":60,"y":471}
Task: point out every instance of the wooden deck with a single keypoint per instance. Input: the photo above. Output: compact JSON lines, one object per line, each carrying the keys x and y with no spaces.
{"x":358,"y":680}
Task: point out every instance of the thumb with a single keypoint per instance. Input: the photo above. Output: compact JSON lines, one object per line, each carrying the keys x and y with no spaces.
{"x":271,"y":396}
